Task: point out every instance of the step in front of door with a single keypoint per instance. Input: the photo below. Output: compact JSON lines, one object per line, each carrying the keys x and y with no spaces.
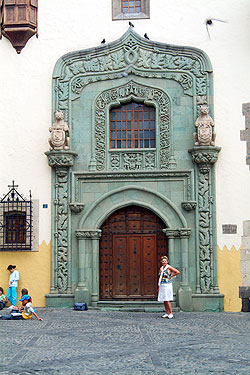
{"x":134,"y":306}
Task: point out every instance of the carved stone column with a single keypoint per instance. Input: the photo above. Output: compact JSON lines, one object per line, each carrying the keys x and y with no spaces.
{"x":88,"y":266}
{"x":61,"y":271}
{"x":204,"y":157}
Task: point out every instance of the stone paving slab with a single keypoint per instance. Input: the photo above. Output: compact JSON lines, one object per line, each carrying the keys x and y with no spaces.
{"x":126,"y":343}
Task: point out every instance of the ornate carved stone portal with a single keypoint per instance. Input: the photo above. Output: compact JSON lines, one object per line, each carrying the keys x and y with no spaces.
{"x":174,"y":180}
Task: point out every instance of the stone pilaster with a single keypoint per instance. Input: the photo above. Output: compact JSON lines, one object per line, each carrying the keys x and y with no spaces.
{"x":204,"y":158}
{"x":88,"y":266}
{"x":60,"y":162}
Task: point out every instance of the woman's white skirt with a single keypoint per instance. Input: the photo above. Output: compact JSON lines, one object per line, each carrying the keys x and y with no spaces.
{"x":165,"y":292}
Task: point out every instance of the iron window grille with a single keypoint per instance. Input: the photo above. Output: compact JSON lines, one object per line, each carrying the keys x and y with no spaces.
{"x":15,"y":221}
{"x":132,"y":125}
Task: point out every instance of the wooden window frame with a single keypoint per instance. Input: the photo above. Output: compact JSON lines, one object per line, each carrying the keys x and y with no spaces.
{"x":118,"y":14}
{"x":129,"y":6}
{"x":137,"y":126}
{"x":15,"y":227}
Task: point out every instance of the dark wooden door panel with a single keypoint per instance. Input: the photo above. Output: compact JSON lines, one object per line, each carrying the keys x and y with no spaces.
{"x":120,"y":261}
{"x":149,"y":265}
{"x":134,"y":267}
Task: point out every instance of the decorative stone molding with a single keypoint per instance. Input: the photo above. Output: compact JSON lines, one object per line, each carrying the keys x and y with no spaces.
{"x":205,"y":157}
{"x":60,"y":161}
{"x":177,"y":233}
{"x":205,"y":154}
{"x":189,"y":67}
{"x":114,"y":96}
{"x":90,"y":234}
{"x":76,"y":207}
{"x":185,"y":176}
{"x":132,"y":161}
{"x":189,"y":205}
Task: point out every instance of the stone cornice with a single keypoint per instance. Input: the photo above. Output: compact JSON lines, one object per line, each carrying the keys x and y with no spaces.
{"x":138,"y":174}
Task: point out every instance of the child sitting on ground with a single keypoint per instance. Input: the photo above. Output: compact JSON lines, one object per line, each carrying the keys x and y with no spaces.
{"x":24,"y":314}
{"x":3,"y":299}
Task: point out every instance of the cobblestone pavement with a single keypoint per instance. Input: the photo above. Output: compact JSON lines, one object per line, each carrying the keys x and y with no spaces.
{"x":126,"y":343}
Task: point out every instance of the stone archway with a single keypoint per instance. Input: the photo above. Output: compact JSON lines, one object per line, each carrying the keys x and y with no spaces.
{"x":131,"y":246}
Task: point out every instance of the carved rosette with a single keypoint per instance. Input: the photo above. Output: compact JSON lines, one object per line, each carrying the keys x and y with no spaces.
{"x":145,"y":93}
{"x":61,"y":161}
{"x":88,"y":234}
{"x":205,"y":157}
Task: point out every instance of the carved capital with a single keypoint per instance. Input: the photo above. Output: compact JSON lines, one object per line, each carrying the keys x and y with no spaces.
{"x":189,"y":205}
{"x":76,"y":207}
{"x":205,"y":154}
{"x":177,"y":232}
{"x":89,"y":234}
{"x":61,"y":159}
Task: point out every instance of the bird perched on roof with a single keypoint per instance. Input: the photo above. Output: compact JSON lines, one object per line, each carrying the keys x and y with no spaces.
{"x":146,"y":36}
{"x":103,"y":41}
{"x":130,"y":24}
{"x":209,"y":22}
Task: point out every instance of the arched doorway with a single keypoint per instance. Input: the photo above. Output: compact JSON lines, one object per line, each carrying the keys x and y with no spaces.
{"x":131,"y":246}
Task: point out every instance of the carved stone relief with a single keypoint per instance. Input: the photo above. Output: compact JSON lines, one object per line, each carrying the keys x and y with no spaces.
{"x":131,"y":55}
{"x":204,"y":157}
{"x":61,"y":233}
{"x":61,"y":161}
{"x":129,"y":161}
{"x":132,"y":161}
{"x":92,"y":234}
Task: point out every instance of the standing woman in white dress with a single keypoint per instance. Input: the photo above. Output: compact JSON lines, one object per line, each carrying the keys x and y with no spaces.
{"x":165,"y":287}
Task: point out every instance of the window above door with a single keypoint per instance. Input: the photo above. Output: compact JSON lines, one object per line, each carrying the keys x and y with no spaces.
{"x":132,"y":125}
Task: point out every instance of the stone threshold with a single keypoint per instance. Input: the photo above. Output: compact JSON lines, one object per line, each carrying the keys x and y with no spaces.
{"x":133,"y":306}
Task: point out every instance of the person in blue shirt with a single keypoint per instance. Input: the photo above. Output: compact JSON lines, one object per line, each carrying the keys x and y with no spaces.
{"x":14,"y":277}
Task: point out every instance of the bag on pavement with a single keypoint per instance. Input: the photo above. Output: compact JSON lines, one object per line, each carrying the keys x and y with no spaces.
{"x":80,"y":306}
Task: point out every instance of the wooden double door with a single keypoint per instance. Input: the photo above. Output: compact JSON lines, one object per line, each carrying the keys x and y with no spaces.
{"x":131,"y":246}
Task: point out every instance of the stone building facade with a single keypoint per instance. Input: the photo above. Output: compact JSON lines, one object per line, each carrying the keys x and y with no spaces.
{"x":175,"y":193}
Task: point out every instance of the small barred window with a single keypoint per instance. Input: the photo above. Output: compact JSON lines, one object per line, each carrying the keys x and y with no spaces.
{"x":131,"y":6}
{"x":130,"y":9}
{"x":132,"y":125}
{"x":15,"y":221}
